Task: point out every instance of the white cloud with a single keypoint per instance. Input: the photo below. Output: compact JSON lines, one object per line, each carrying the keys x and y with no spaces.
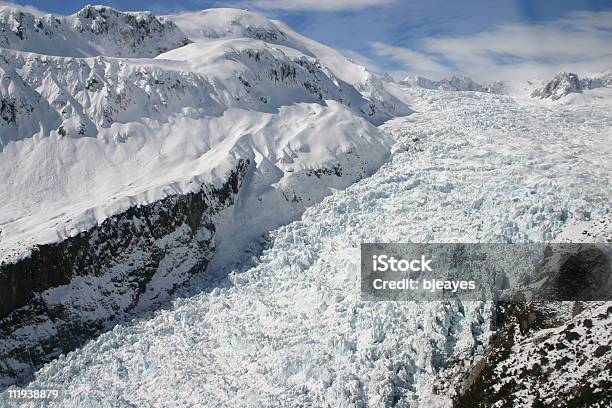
{"x":412,"y":60}
{"x":324,"y":5}
{"x":581,"y":43}
{"x":28,"y":9}
{"x":361,"y":60}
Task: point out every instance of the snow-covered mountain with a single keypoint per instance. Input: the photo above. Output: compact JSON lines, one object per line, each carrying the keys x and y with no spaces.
{"x":234,"y":23}
{"x":562,"y":84}
{"x":565,"y":83}
{"x":453,"y":83}
{"x":94,"y":30}
{"x":128,"y":174}
{"x":141,"y":153}
{"x":287,"y":325}
{"x":111,"y":99}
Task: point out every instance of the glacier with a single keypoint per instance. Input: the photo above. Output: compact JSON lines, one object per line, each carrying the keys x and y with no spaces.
{"x":199,"y":184}
{"x":285,"y":326}
{"x":133,"y":160}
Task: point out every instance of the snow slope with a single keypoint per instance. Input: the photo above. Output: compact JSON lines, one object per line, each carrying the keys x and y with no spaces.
{"x":289,"y":329}
{"x":94,"y":30}
{"x":234,"y":23}
{"x":84,"y":138}
{"x":132,"y":155}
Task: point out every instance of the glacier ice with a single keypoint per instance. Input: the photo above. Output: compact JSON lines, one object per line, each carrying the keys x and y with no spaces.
{"x":291,"y":330}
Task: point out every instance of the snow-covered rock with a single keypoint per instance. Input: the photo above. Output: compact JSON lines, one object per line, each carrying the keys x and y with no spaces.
{"x":234,"y":23}
{"x":549,"y":353}
{"x":386,"y":77}
{"x":546,"y":354}
{"x":453,"y":83}
{"x":565,"y":83}
{"x":129,"y":174}
{"x":456,"y":83}
{"x":597,"y":81}
{"x":562,"y":84}
{"x":23,"y":111}
{"x":94,"y":30}
{"x":289,"y":327}
{"x":93,"y":93}
{"x":417,"y":81}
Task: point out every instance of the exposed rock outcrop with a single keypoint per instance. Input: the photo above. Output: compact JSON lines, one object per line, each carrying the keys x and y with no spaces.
{"x":561,"y":85}
{"x":94,"y":30}
{"x":67,"y":292}
{"x":565,"y":83}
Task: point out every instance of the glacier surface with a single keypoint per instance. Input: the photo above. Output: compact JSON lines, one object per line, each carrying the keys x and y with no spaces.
{"x":286,"y":327}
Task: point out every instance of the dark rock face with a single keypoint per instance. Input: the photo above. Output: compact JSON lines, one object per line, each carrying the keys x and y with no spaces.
{"x":561,"y":85}
{"x":64,"y":293}
{"x":265,"y":34}
{"x":584,"y":276}
{"x":8,"y":111}
{"x":541,"y":358}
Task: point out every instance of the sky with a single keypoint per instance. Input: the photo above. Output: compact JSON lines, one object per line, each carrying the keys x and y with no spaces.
{"x":484,"y":39}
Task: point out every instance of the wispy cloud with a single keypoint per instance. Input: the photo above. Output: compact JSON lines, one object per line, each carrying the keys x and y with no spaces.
{"x":361,"y":60}
{"x":24,"y":7}
{"x":580,"y":43}
{"x":413,"y":61}
{"x":323,"y":5}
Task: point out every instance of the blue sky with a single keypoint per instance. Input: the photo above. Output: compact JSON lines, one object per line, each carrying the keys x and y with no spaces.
{"x":413,"y":36}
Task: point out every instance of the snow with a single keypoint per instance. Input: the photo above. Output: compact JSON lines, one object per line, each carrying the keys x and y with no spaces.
{"x":91,"y":132}
{"x":234,"y":23}
{"x":92,"y":136}
{"x":288,"y":328}
{"x":98,"y":176}
{"x":557,"y":351}
{"x":94,"y":30}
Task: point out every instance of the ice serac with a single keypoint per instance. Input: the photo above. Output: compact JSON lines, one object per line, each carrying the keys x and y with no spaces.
{"x":128,"y":175}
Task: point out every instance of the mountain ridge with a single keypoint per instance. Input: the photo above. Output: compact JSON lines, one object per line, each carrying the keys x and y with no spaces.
{"x":109,"y":147}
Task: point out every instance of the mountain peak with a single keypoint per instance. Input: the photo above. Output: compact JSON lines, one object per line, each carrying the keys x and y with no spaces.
{"x":560,"y":85}
{"x":452,"y":83}
{"x":92,"y":31}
